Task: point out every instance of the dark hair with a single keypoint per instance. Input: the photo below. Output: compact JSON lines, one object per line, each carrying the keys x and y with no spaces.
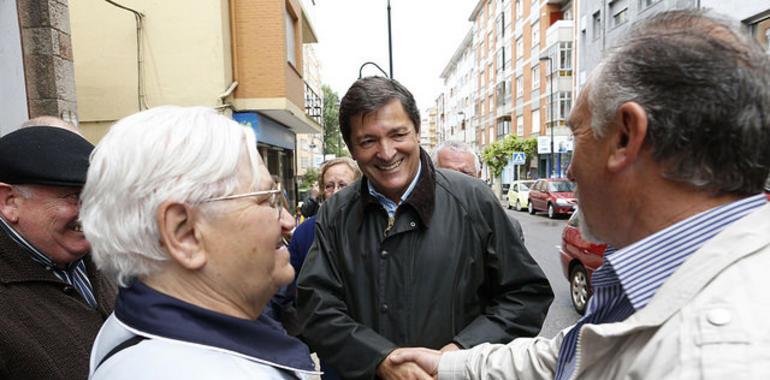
{"x":705,"y":85}
{"x":370,"y":94}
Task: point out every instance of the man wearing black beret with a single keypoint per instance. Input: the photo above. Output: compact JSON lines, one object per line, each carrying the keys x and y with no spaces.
{"x":52,"y":299}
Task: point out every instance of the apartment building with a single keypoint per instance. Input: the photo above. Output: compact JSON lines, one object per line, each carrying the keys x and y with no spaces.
{"x":516,"y":49}
{"x":244,"y":57}
{"x":459,"y":85}
{"x":428,"y":129}
{"x":604,"y":22}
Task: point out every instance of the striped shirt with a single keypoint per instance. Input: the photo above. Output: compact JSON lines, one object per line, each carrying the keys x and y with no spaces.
{"x":629,"y":277}
{"x":73,"y":274}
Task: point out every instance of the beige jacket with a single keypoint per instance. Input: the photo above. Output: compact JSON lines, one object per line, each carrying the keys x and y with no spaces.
{"x":710,"y":320}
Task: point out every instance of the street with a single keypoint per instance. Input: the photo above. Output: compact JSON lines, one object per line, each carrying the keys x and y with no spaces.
{"x":542,"y":236}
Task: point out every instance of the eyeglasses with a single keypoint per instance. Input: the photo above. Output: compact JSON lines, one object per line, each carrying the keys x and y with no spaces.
{"x":275,"y":201}
{"x":331,"y":186}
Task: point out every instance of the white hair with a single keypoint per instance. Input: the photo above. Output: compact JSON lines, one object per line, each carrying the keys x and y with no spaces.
{"x":182,"y":154}
{"x":457,"y":146}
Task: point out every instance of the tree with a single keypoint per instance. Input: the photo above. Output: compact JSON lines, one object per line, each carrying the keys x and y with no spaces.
{"x":333,"y":142}
{"x":309,"y":179}
{"x":497,"y":154}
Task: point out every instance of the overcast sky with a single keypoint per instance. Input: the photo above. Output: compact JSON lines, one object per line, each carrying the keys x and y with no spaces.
{"x":425,"y":35}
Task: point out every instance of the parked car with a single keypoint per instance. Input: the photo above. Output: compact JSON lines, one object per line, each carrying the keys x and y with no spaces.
{"x":556,"y":196}
{"x":518,"y":194}
{"x":579,"y":260}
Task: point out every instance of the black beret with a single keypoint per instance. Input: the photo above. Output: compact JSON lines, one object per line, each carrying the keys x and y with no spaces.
{"x":44,"y":156}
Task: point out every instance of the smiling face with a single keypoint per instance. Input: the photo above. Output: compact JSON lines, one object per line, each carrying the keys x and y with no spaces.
{"x":387,"y":149}
{"x":247,"y":258}
{"x":47,"y":216}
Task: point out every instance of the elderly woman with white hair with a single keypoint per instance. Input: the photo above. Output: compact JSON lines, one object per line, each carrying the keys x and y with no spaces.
{"x":180,"y":209}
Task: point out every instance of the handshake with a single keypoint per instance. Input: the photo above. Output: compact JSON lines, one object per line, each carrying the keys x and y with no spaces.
{"x":412,"y":363}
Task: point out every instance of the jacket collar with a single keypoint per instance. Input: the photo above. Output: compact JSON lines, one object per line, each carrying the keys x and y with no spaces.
{"x":153,"y":314}
{"x":741,"y":239}
{"x":16,"y":265}
{"x":422,"y":198}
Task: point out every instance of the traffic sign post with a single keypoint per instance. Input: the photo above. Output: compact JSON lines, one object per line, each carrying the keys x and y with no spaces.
{"x":518,"y":159}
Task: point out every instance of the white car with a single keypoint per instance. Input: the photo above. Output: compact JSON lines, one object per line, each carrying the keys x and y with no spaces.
{"x":518,"y":194}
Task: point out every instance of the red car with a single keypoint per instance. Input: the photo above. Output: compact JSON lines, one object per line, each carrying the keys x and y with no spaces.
{"x":553,"y":195}
{"x":579,"y":260}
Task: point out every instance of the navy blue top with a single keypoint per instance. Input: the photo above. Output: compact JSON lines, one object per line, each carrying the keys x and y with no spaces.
{"x":301,"y":240}
{"x":156,"y":314}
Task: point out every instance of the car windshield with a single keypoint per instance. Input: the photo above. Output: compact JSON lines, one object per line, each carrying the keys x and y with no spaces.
{"x":524,"y":186}
{"x":561,"y":186}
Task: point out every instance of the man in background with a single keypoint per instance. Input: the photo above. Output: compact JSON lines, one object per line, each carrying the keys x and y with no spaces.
{"x":459,"y":156}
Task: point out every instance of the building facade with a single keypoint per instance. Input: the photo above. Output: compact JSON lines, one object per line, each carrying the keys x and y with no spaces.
{"x":459,"y":89}
{"x":36,"y":68}
{"x":519,"y":72}
{"x":428,"y":129}
{"x":243,"y":57}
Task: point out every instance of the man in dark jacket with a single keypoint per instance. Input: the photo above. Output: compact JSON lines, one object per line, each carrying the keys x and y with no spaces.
{"x":52,"y":299}
{"x":410,"y":255}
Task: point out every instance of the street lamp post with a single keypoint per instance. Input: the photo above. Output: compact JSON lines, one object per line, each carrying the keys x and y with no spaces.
{"x":390,"y":44}
{"x":550,"y":111}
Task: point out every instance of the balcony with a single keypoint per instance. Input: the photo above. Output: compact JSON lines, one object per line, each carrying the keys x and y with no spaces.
{"x":313,"y":105}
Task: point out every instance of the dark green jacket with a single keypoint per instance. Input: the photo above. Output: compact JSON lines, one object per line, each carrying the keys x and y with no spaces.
{"x":451,"y":269}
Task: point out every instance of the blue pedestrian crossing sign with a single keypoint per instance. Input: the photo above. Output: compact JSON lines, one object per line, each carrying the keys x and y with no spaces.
{"x":519,"y":158}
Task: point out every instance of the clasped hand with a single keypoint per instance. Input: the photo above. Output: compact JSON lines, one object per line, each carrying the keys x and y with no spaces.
{"x":412,"y":363}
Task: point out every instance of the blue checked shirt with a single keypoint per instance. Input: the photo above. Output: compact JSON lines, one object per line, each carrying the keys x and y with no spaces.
{"x":386,"y":202}
{"x":629,"y":277}
{"x":73,"y":274}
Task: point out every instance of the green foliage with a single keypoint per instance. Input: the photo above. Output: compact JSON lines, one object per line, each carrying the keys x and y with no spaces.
{"x":309,"y":179}
{"x":497,"y":154}
{"x":333,"y":142}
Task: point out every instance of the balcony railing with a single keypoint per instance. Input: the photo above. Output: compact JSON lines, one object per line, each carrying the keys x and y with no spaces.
{"x":313,"y":104}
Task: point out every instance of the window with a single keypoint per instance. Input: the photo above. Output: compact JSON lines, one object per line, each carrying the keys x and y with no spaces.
{"x":597,"y":25}
{"x":567,"y":12}
{"x":535,"y":122}
{"x":535,"y":77}
{"x":519,"y":13}
{"x":291,"y":42}
{"x":500,"y":93}
{"x":520,"y":47}
{"x":507,"y":56}
{"x":520,"y":125}
{"x":503,"y":128}
{"x":534,"y":7}
{"x":519,"y":86}
{"x":500,"y":25}
{"x":619,"y":11}
{"x":500,"y":61}
{"x":565,"y":104}
{"x":535,"y":38}
{"x":565,"y":56}
{"x":646,"y":3}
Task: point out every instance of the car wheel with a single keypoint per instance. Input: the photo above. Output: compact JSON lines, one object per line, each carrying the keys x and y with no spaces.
{"x":531,"y":209}
{"x":518,"y":205}
{"x":578,"y":285}
{"x":551,"y":212}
